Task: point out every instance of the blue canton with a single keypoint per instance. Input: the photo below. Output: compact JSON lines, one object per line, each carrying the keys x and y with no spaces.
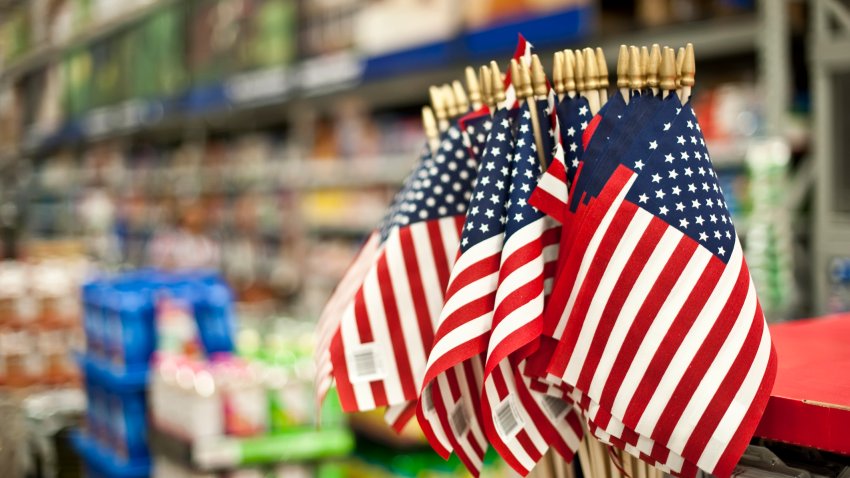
{"x":524,"y":176}
{"x":573,"y":118}
{"x":440,"y":187}
{"x":486,"y":215}
{"x":476,"y":131}
{"x":676,"y":181}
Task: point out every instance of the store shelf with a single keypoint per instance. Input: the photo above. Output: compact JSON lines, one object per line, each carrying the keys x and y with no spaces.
{"x":227,"y":453}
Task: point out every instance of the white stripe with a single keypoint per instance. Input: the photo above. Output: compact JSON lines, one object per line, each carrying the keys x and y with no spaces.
{"x":517,"y":319}
{"x":590,"y":253}
{"x":350,"y":340}
{"x":657,"y":330}
{"x":492,"y":397}
{"x":427,"y":270}
{"x":410,"y":329}
{"x":646,"y":279}
{"x":393,"y":412}
{"x":530,"y":232}
{"x":441,"y":386}
{"x":554,"y":186}
{"x":739,"y":406}
{"x":466,"y":447}
{"x":613,"y":271}
{"x":381,"y":333}
{"x":466,"y":394}
{"x":710,"y":383}
{"x":688,"y":348}
{"x":451,"y":241}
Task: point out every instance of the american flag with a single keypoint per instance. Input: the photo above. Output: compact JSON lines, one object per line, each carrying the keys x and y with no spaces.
{"x":448,"y":412}
{"x":379,"y":351}
{"x":521,"y":422}
{"x":664,"y":332}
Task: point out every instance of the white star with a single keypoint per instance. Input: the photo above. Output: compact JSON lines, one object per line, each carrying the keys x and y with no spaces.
{"x":584,"y":125}
{"x":495,"y":151}
{"x":695,"y":204}
{"x":489,"y":213}
{"x":700,"y":220}
{"x":525,"y":188}
{"x":666,"y":126}
{"x":520,"y":142}
{"x":438,"y":189}
{"x":523,"y":128}
{"x":532,"y":160}
{"x":450,"y":198}
{"x":484,"y":227}
{"x":722,"y":251}
{"x":723,"y":218}
{"x":672,"y":174}
{"x":703,"y":236}
{"x":709,"y":202}
{"x":663,"y":210}
{"x":705,"y":187}
{"x":470,"y":226}
{"x":639,"y":164}
{"x":575,"y":162}
{"x":528,"y":173}
{"x":713,"y":218}
{"x":500,"y":185}
{"x":688,"y":172}
{"x":500,"y":136}
{"x":728,"y":235}
{"x":717,"y":234}
{"x":680,"y":139}
{"x":506,"y":123}
{"x":701,"y":171}
{"x":697,"y":155}
{"x":503,"y":219}
{"x":683,"y":223}
{"x":479,"y":195}
{"x":680,"y":206}
{"x":518,"y":217}
{"x":474,"y":210}
{"x":494,"y":198}
{"x":653,"y":145}
{"x":571,"y":131}
{"x":504,"y":171}
{"x":526,"y":114}
{"x":485,"y":180}
{"x":659,"y":194}
{"x":684,"y":155}
{"x":465,"y":241}
{"x":690,"y":124}
{"x":692,"y":188}
{"x":583,"y":110}
{"x":490,"y":166}
{"x":488,"y":125}
{"x":678,"y":110}
{"x":573,"y":147}
{"x":668,"y":158}
{"x":693,"y":140}
{"x":656,"y":178}
{"x":642,"y":198}
{"x":521,"y":202}
{"x":676,"y":190}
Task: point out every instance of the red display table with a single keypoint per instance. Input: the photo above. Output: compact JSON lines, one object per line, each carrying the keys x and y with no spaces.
{"x":810,"y":402}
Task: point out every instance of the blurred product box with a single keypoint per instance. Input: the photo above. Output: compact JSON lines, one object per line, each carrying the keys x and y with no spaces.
{"x":327,"y":26}
{"x":390,"y":25}
{"x":155,"y":56}
{"x":483,"y":13}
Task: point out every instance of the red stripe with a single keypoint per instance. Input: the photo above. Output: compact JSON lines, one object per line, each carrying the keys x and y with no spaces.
{"x":629,"y":274}
{"x":539,"y":418}
{"x":340,"y":371}
{"x":438,"y":250}
{"x":471,"y":310}
{"x":587,"y":288}
{"x":700,"y":292}
{"x":464,"y":351}
{"x":364,"y":329}
{"x":475,"y":271}
{"x":524,"y":334}
{"x":417,"y":291}
{"x":644,"y":318}
{"x":473,"y":384}
{"x":440,"y":413}
{"x":733,"y":380}
{"x":705,"y":356}
{"x":404,"y":417}
{"x":394,"y":326}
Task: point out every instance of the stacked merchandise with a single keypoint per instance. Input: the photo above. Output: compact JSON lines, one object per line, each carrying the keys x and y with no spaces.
{"x":126,"y":318}
{"x":40,"y":321}
{"x":244,"y":414}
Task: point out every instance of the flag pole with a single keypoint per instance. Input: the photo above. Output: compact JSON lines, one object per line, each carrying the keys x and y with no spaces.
{"x":558,"y":74}
{"x":579,"y":72}
{"x":688,"y":71}
{"x":644,"y":64}
{"x":652,"y":68}
{"x":591,"y":80}
{"x":535,"y":88}
{"x":668,"y":72}
{"x":448,"y":95}
{"x":474,"y":88}
{"x":623,"y":72}
{"x":602,"y":66}
{"x":570,"y":73}
{"x":485,"y":79}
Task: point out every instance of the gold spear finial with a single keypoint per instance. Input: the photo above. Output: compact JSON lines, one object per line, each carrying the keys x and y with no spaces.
{"x":538,"y":78}
{"x":623,"y":67}
{"x":461,"y":100}
{"x":635,"y":77}
{"x":496,"y":81}
{"x":570,"y":71}
{"x":558,"y":72}
{"x":668,"y":70}
{"x":474,"y":87}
